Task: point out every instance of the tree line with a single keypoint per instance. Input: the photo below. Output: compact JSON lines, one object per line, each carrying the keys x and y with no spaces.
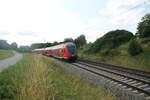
{"x":13,"y":46}
{"x":5,"y":45}
{"x":79,"y":41}
{"x":110,"y":40}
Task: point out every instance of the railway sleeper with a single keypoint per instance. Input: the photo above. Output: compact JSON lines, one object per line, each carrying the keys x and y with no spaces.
{"x":126,"y":81}
{"x":136,"y":84}
{"x":132,"y":82}
{"x":130,"y":87}
{"x":142,"y":86}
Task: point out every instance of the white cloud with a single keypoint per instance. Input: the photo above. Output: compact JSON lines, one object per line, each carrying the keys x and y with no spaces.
{"x":43,"y":18}
{"x":31,"y":21}
{"x":130,"y":18}
{"x":113,"y":6}
{"x":118,"y":15}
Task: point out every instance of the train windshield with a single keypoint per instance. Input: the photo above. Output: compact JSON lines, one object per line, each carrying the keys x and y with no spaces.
{"x":71,"y":49}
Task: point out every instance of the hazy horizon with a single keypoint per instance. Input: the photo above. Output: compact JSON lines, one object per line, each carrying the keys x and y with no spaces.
{"x":39,"y":21}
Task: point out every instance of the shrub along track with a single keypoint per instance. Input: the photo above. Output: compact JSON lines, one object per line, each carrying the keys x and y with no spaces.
{"x":135,"y":80}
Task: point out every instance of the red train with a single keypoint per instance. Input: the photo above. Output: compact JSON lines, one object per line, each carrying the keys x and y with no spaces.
{"x":66,"y":51}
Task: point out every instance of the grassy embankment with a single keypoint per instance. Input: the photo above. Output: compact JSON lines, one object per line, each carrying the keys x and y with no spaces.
{"x":39,"y":78}
{"x":5,"y":54}
{"x":120,"y":56}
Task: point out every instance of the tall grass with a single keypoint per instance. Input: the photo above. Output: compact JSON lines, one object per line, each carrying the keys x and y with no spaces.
{"x":5,"y":54}
{"x":36,"y":83}
{"x":69,"y":86}
{"x":39,"y":78}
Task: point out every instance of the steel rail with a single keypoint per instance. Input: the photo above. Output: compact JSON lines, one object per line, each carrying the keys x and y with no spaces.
{"x":145,"y":74}
{"x":116,"y":73}
{"x":113,"y":79}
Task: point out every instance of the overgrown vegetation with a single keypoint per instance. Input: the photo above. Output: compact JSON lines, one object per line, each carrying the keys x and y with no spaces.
{"x":120,"y":56}
{"x":36,"y":77}
{"x":134,"y":48}
{"x":110,"y":40}
{"x":5,"y":54}
{"x":145,"y":40}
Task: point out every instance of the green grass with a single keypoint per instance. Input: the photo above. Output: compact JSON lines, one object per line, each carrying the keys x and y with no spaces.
{"x":120,"y":56}
{"x":40,"y":78}
{"x":5,"y":54}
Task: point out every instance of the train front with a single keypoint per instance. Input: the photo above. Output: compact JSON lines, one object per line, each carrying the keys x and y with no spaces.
{"x":72,"y":50}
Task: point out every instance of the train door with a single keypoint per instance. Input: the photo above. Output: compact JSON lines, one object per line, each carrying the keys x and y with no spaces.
{"x":61,"y":52}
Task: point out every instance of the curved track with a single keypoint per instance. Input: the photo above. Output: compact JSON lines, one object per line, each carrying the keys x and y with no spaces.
{"x":127,"y":70}
{"x":137,"y":81}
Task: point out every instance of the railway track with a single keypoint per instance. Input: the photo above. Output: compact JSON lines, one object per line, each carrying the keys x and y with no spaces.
{"x":131,"y":71}
{"x":135,"y":80}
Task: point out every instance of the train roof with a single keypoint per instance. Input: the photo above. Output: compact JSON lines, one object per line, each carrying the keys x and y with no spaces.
{"x":59,"y":46}
{"x":38,"y":49}
{"x":55,"y":47}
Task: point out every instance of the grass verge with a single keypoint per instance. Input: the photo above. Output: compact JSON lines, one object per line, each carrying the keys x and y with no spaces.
{"x":5,"y":54}
{"x":120,"y":56}
{"x":39,"y":78}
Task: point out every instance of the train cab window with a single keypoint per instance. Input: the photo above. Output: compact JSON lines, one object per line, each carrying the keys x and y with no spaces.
{"x":71,"y":49}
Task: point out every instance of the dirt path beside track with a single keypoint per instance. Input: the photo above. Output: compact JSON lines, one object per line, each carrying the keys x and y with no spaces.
{"x":10,"y":61}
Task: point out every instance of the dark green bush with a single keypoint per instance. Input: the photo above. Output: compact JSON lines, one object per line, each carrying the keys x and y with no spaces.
{"x":107,"y":52}
{"x":111,"y":40}
{"x":134,"y":48}
{"x":114,"y":52}
{"x":145,"y":40}
{"x":7,"y":89}
{"x":86,"y":47}
{"x":104,"y":52}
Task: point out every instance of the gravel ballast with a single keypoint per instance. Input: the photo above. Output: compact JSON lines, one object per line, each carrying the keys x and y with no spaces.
{"x":121,"y":92}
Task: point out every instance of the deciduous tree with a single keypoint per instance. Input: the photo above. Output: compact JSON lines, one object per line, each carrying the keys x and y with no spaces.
{"x":143,"y":29}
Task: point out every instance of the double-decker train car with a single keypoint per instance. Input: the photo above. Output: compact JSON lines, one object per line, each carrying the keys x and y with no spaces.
{"x":66,"y":51}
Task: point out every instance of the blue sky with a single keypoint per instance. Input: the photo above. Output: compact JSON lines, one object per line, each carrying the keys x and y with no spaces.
{"x":32,"y":21}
